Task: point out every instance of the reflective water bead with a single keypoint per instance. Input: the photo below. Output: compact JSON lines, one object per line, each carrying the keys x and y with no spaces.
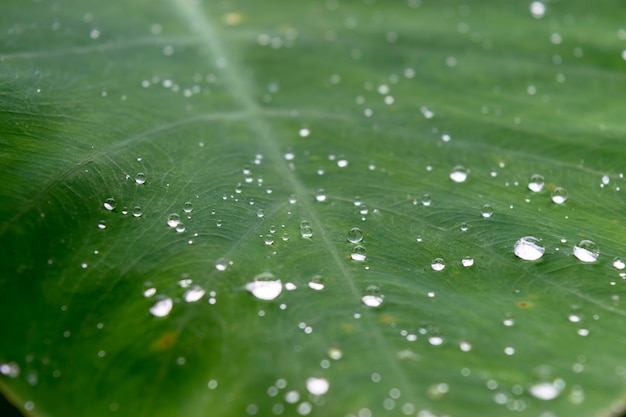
{"x":162,"y":307}
{"x":586,"y":251}
{"x":137,"y":211}
{"x":426,"y":200}
{"x":464,"y":227}
{"x":537,"y":9}
{"x":140,"y":178}
{"x":265,"y":286}
{"x":547,"y":390}
{"x":438,"y":264}
{"x":372,"y":297}
{"x":486,"y":211}
{"x":221,"y":264}
{"x":529,"y":248}
{"x":268,"y":239}
{"x":618,"y":263}
{"x":467,"y":261}
{"x":355,"y":235}
{"x":536,"y":183}
{"x":306,"y":231}
{"x":173,"y":220}
{"x":559,"y":195}
{"x":320,"y":195}
{"x":317,"y":283}
{"x":358,"y":253}
{"x":188,"y":207}
{"x":109,"y":204}
{"x":459,"y":173}
{"x":193,"y":294}
{"x":260,"y":213}
{"x":317,"y":386}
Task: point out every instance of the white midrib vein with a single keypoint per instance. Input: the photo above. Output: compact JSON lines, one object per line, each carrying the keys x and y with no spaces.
{"x":236,"y":84}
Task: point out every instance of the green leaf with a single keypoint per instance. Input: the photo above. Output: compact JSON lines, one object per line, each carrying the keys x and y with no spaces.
{"x":273,"y":128}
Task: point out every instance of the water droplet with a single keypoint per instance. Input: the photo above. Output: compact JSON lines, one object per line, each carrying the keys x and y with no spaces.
{"x":289,"y":156}
{"x":260,"y":213}
{"x":173,"y":220}
{"x":618,"y":263}
{"x":265,"y":286}
{"x":140,"y":178}
{"x":102,"y":224}
{"x":464,"y":227}
{"x":109,"y":204}
{"x":10,"y":369}
{"x":268,"y":239}
{"x":358,"y":253}
{"x":559,"y":195}
{"x":438,"y":264}
{"x":486,"y":211}
{"x":162,"y":307}
{"x":536,"y":183}
{"x":529,"y":248}
{"x":606,"y":180}
{"x":305,"y":230}
{"x":180,"y":228}
{"x":188,"y":207}
{"x":459,"y":173}
{"x":335,"y":353}
{"x":342,"y":163}
{"x":149,"y":292}
{"x":547,"y":390}
{"x":537,"y":9}
{"x":292,"y":397}
{"x":193,"y":294}
{"x":221,"y":264}
{"x":317,"y":386}
{"x":435,"y":340}
{"x":586,"y":251}
{"x":372,"y":297}
{"x":355,"y":235}
{"x":426,"y":200}
{"x":317,"y":283}
{"x":467,"y":261}
{"x":137,"y":211}
{"x":320,"y":195}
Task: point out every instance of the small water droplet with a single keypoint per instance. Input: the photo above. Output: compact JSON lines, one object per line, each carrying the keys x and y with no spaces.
{"x":317,"y":386}
{"x":426,"y":200}
{"x":618,"y":263}
{"x":289,"y":156}
{"x":342,"y":163}
{"x":467,"y":261}
{"x":547,"y":390}
{"x":435,"y":340}
{"x":137,"y":211}
{"x":109,"y":204}
{"x":317,"y":283}
{"x":355,"y":235}
{"x":260,"y":213}
{"x":320,"y":195}
{"x":265,"y":286}
{"x":486,"y":211}
{"x":529,"y":248}
{"x":335,"y":353}
{"x":372,"y":297}
{"x":102,"y":224}
{"x":464,"y":227}
{"x":559,"y":195}
{"x":537,"y":9}
{"x":173,"y":220}
{"x":536,"y":183}
{"x":10,"y":369}
{"x":586,"y":251}
{"x":140,"y":178}
{"x":268,"y":239}
{"x":459,"y":173}
{"x":162,"y":307}
{"x":188,"y":207}
{"x":358,"y":253}
{"x":438,"y":264}
{"x":149,"y":292}
{"x":193,"y":294}
{"x":221,"y":264}
{"x":180,"y":228}
{"x":305,"y":230}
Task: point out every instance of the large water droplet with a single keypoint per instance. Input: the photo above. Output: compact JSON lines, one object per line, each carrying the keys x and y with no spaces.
{"x":536,"y":183}
{"x":438,"y":264}
{"x":467,"y":261}
{"x":305,"y":230}
{"x":137,"y":211}
{"x":355,"y":235}
{"x":193,"y":294}
{"x":265,"y":286}
{"x":426,"y":200}
{"x":173,"y":220}
{"x":140,"y":178}
{"x":320,"y":195}
{"x":221,"y":264}
{"x":459,"y":173}
{"x":618,"y":263}
{"x":559,"y":195}
{"x":188,"y":207}
{"x":372,"y":297}
{"x":529,"y":248}
{"x":486,"y":211}
{"x":547,"y":390}
{"x":358,"y":253}
{"x":317,"y":283}
{"x":162,"y":307}
{"x":537,"y":9}
{"x":317,"y":386}
{"x":109,"y":204}
{"x":586,"y":251}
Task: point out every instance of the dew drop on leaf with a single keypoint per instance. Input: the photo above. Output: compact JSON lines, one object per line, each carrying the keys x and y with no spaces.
{"x":586,"y":251}
{"x":426,"y":200}
{"x":320,"y":195}
{"x":265,"y":286}
{"x":486,"y":211}
{"x":536,"y":183}
{"x":137,"y":211}
{"x":467,"y":261}
{"x":317,"y":386}
{"x":438,"y":264}
{"x":109,"y":204}
{"x":459,"y":173}
{"x":221,"y":264}
{"x":358,"y":253}
{"x":547,"y":390}
{"x":559,"y":195}
{"x":193,"y":294}
{"x":372,"y":297}
{"x":188,"y":207}
{"x":355,"y":235}
{"x":537,"y":9}
{"x":618,"y":263}
{"x":528,"y":248}
{"x":140,"y":178}
{"x":305,"y":230}
{"x":173,"y":220}
{"x":316,"y":283}
{"x":162,"y":307}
